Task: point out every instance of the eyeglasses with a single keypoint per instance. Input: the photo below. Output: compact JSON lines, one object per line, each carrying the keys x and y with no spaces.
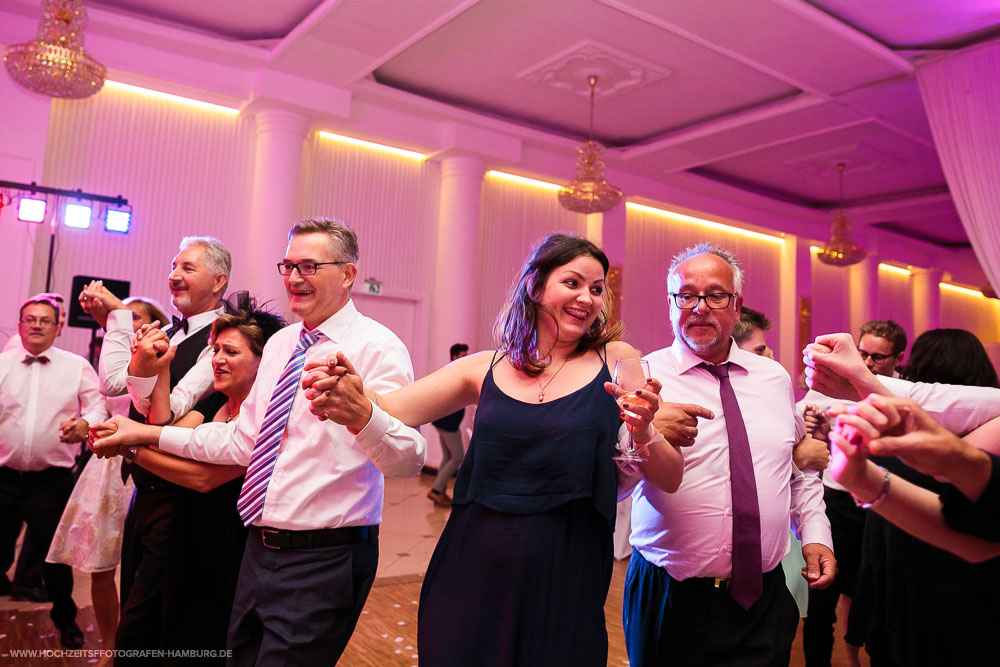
{"x":33,"y":321}
{"x":715,"y":301}
{"x":304,"y":268}
{"x":876,"y":357}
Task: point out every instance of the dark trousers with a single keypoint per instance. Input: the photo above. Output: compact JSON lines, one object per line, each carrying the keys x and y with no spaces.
{"x":299,"y":606}
{"x":144,"y":572}
{"x":38,"y":499}
{"x":847,"y":521}
{"x":28,"y":573}
{"x":691,"y":624}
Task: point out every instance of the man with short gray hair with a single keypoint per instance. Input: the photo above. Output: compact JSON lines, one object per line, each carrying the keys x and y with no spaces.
{"x":704,"y":584}
{"x":197,"y":281}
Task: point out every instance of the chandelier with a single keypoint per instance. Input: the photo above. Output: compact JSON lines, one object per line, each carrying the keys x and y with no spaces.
{"x":841,"y":250}
{"x":589,"y":192}
{"x":55,"y":64}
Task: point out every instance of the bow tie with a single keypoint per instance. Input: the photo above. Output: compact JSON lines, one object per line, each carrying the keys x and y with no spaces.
{"x":28,"y":359}
{"x":179,"y":324}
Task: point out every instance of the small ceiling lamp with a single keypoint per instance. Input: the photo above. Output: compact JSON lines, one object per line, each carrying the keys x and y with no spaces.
{"x":841,"y":250}
{"x":55,"y":64}
{"x":589,"y":192}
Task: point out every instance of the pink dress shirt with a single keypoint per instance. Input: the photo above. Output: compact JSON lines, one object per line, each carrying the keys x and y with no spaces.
{"x":689,"y":532}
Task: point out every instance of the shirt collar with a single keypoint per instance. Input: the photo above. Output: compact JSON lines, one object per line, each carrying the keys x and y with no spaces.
{"x":685,"y":359}
{"x":200,"y":320}
{"x":337,"y":325}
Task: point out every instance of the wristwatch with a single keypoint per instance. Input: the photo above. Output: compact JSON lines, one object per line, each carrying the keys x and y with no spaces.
{"x":129,"y":453}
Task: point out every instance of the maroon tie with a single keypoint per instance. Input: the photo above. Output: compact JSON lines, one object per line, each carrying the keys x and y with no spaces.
{"x":747,"y":580}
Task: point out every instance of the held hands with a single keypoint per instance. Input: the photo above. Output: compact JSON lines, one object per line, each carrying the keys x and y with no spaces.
{"x":834,"y":367}
{"x":638,"y":408}
{"x":678,"y":422}
{"x":106,"y":439}
{"x":73,"y":430}
{"x":336,"y":392}
{"x":97,"y":301}
{"x":893,"y":426}
{"x":151,"y":353}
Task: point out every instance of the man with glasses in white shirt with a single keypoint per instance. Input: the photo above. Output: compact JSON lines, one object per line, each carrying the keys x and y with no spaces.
{"x":704,"y":585}
{"x":48,"y":398}
{"x":313,"y":491}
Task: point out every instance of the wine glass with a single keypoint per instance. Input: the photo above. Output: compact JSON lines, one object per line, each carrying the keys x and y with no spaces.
{"x":630,"y":374}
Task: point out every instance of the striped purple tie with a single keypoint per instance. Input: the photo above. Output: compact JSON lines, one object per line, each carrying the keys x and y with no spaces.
{"x":265,"y":451}
{"x":748,"y":585}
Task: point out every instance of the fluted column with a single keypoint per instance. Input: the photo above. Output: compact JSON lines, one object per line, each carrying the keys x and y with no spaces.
{"x":456,"y":281}
{"x":793,"y":331}
{"x":863,"y":291}
{"x":275,"y":201}
{"x":926,"y":300}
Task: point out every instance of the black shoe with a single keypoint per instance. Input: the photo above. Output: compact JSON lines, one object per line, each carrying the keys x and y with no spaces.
{"x":4,"y":585}
{"x":70,"y":635}
{"x":32,"y":594}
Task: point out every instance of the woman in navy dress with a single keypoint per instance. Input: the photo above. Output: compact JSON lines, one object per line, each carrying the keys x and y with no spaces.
{"x":522,"y":569}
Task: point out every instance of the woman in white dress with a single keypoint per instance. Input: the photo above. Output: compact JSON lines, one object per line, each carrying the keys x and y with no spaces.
{"x":89,"y":535}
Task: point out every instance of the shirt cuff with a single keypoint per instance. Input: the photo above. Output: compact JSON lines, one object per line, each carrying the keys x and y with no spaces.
{"x":816,"y":533}
{"x":141,"y":387}
{"x":174,"y":439}
{"x":897,"y":386}
{"x":120,"y":319}
{"x":376,"y":428}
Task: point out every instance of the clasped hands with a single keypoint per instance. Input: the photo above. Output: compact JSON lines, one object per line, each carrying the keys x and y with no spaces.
{"x":107,"y":439}
{"x":336,"y":392}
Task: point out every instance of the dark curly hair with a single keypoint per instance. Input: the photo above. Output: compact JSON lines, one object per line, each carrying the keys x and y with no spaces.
{"x":516,"y":327}
{"x":254,"y":321}
{"x":950,"y":356}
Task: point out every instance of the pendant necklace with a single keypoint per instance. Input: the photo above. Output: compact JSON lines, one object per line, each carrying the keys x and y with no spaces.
{"x":543,"y":387}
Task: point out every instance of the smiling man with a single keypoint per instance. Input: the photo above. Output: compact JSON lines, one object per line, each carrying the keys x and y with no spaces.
{"x":313,"y":490}
{"x":48,"y":397}
{"x":198,"y":278}
{"x":704,"y":585}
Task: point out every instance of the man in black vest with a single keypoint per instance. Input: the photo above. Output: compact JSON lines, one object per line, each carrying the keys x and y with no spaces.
{"x":197,"y":281}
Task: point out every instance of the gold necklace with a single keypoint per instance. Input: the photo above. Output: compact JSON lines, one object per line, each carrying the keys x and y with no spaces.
{"x":543,"y":387}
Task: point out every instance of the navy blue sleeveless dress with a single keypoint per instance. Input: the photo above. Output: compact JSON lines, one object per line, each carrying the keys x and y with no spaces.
{"x":522,"y":569}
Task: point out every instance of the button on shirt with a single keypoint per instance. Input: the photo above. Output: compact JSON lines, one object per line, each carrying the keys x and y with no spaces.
{"x":690,"y":532}
{"x":35,"y":399}
{"x":116,"y":353}
{"x":324,"y":476}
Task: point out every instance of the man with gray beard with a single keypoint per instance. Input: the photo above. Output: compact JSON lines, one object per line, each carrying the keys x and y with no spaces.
{"x":704,"y":585}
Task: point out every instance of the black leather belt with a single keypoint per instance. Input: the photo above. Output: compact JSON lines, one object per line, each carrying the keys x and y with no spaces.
{"x":721,"y":584}
{"x":275,"y":538}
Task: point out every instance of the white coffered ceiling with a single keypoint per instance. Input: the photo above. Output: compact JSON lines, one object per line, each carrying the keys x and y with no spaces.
{"x":764,"y":95}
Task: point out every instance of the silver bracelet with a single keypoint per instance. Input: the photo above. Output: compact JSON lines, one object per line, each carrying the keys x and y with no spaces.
{"x":878,"y":499}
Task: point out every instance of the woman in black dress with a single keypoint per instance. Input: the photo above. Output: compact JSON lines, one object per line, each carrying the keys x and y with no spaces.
{"x":522,"y":569}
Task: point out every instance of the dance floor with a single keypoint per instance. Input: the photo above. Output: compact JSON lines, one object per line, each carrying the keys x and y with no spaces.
{"x":386,"y":635}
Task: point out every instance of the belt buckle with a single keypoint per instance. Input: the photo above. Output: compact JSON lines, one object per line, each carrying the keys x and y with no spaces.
{"x":264,"y":532}
{"x":722,"y":584}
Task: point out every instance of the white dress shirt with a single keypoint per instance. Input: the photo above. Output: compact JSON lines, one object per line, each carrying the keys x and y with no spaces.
{"x":324,"y":477}
{"x":35,"y":399}
{"x":690,"y":532}
{"x":116,"y":353}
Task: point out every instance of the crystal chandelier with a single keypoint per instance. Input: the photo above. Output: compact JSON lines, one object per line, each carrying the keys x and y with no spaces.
{"x":55,"y":64}
{"x":589,"y":192}
{"x":841,"y":250}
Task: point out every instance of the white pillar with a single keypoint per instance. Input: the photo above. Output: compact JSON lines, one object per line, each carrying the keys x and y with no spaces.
{"x":926,"y":300}
{"x":863,"y":292}
{"x":454,"y":310}
{"x":796,"y":283}
{"x":274,"y":202}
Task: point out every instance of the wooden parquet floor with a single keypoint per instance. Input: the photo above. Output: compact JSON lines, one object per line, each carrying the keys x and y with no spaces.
{"x":386,"y":635}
